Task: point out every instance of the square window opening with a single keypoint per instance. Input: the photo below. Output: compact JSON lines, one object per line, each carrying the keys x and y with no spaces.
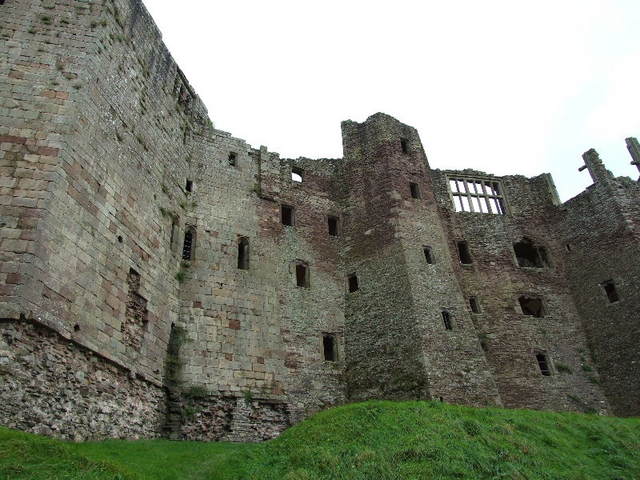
{"x":404,"y":145}
{"x":530,"y":255}
{"x":463,"y":253}
{"x":332,"y":224}
{"x":543,"y":364}
{"x":352,"y":281}
{"x":474,"y":304}
{"x":531,"y":306}
{"x":296,"y":174}
{"x":428,"y":255}
{"x":446,"y":319}
{"x":287,"y":215}
{"x":302,"y":275}
{"x":243,"y":253}
{"x":610,"y":289}
{"x":415,"y":190}
{"x":233,"y":159}
{"x":329,"y":347}
{"x":189,"y":186}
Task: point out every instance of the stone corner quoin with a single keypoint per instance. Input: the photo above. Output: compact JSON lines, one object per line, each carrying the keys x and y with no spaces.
{"x":159,"y":277}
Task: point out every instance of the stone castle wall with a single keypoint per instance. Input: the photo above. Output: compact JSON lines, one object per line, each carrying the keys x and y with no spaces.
{"x":124,"y":213}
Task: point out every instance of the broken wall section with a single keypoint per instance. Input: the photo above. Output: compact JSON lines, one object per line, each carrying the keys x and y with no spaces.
{"x":517,"y":263}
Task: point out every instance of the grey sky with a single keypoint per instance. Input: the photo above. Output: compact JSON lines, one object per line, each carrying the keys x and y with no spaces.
{"x":501,"y":86}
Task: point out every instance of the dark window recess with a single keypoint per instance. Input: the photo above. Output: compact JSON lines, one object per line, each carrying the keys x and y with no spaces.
{"x":610,"y":290}
{"x":332,"y":224}
{"x":463,"y":253}
{"x":329,"y":347}
{"x":531,"y":306}
{"x":302,"y":275}
{"x":287,"y":215}
{"x":76,"y":327}
{"x":189,"y":186}
{"x":243,"y":253}
{"x":475,"y":306}
{"x":296,"y":174}
{"x":188,"y":245}
{"x":428,"y":255}
{"x":404,"y":145}
{"x":353,"y":282}
{"x":415,"y":190}
{"x":1,"y":2}
{"x":446,"y":318}
{"x":233,"y":159}
{"x":528,"y":255}
{"x":568,"y":247}
{"x":543,"y":363}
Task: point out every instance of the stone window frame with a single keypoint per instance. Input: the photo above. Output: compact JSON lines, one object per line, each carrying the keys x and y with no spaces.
{"x":334,"y":340}
{"x":616,"y":292}
{"x":544,"y":311}
{"x":491,"y":196}
{"x":547,"y":360}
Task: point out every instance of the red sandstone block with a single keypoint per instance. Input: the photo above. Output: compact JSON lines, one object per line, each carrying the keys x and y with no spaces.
{"x":228,"y":356}
{"x":12,"y":139}
{"x":16,"y":74}
{"x":13,"y":278}
{"x":234,"y":324}
{"x":62,"y":95}
{"x":48,"y":151}
{"x":197,"y":304}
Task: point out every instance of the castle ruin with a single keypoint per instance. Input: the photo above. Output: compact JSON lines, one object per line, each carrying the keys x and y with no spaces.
{"x":161,"y":277}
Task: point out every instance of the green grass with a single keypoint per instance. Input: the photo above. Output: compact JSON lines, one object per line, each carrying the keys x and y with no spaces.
{"x":365,"y":441}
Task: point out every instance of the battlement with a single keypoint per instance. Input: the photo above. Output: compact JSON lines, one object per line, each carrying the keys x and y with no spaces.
{"x":162,"y":277}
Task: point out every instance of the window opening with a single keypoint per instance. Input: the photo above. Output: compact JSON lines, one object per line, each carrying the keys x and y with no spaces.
{"x":136,"y":317}
{"x":475,"y":306}
{"x":243,"y":253}
{"x":172,"y":236}
{"x":464,"y":254}
{"x":610,"y":289}
{"x":296,"y":174}
{"x":529,"y":255}
{"x":415,"y":190}
{"x":353,"y":283}
{"x":188,"y":245}
{"x":531,"y":306}
{"x":302,"y":275}
{"x":477,"y":195}
{"x":446,"y":318}
{"x":189,"y":186}
{"x":332,"y":224}
{"x":233,"y":159}
{"x":287,"y":215}
{"x":543,"y":363}
{"x":404,"y":145}
{"x":428,"y":255}
{"x":329,"y":347}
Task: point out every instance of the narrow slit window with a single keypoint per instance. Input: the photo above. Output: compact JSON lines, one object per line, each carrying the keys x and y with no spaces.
{"x":188,"y":246}
{"x":329,"y":347}
{"x":352,"y":281}
{"x":610,"y":289}
{"x":543,"y":364}
{"x":415,"y":190}
{"x":428,"y":255}
{"x":189,"y":186}
{"x":475,"y":306}
{"x":463,"y":253}
{"x":477,"y":196}
{"x":287,"y":215}
{"x":446,"y":319}
{"x":296,"y":174}
{"x":243,"y":253}
{"x":332,"y":225}
{"x":302,"y":275}
{"x":404,"y":145}
{"x":233,"y":159}
{"x":531,"y":306}
{"x":172,"y":237}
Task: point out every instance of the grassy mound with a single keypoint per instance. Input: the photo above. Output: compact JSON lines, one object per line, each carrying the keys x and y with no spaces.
{"x":365,"y":441}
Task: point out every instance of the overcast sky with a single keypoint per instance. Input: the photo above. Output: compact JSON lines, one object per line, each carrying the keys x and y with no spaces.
{"x":508,"y":87}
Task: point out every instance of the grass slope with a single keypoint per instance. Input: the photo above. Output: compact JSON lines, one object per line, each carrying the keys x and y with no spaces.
{"x":365,"y":441}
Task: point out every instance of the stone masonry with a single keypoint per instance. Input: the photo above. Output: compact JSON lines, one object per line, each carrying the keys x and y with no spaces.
{"x":161,"y":277}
